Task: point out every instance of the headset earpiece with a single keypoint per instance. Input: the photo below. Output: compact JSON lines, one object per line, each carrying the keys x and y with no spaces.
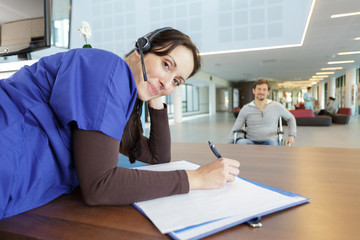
{"x":144,"y":42}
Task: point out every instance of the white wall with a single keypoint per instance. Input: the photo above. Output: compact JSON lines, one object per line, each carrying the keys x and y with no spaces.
{"x":207,"y":78}
{"x":220,"y":100}
{"x":350,"y":89}
{"x":204,"y":99}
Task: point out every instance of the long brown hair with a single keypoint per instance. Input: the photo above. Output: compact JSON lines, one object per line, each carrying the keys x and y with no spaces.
{"x":162,"y":44}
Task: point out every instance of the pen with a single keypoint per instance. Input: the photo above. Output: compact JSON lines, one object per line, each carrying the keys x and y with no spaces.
{"x":214,"y":150}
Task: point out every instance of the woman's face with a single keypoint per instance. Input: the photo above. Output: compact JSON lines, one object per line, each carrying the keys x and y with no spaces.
{"x":164,"y":73}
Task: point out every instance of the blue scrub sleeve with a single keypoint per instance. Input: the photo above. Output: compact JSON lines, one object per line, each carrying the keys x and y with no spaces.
{"x":94,"y":88}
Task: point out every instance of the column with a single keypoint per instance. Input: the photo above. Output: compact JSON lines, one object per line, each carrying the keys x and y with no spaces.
{"x":279,"y":97}
{"x":314,"y":91}
{"x":322,"y":95}
{"x":350,"y":89}
{"x":295,"y":99}
{"x":331,"y":86}
{"x":177,"y":105}
{"x":212,"y":99}
{"x":231,"y":99}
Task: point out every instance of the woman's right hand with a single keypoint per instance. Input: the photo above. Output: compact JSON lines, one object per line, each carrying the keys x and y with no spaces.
{"x":214,"y":175}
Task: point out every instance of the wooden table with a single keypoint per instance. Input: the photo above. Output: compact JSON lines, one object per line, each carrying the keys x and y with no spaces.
{"x":330,"y":177}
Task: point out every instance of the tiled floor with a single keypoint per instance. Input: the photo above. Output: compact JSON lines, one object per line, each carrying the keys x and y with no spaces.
{"x":216,"y":128}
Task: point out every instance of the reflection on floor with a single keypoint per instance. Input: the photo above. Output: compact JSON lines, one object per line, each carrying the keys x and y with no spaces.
{"x":216,"y":128}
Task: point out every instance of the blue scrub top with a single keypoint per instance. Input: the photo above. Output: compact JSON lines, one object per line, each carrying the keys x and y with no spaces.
{"x":308,"y":101}
{"x":91,"y":87}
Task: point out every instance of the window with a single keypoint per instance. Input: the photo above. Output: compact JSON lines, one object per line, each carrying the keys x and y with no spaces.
{"x":340,"y":90}
{"x":326,"y":92}
{"x":236,"y":97}
{"x":189,"y":96}
{"x":60,"y":23}
{"x":169,"y":100}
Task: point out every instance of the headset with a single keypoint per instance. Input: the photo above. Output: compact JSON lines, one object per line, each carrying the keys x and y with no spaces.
{"x":143,"y":45}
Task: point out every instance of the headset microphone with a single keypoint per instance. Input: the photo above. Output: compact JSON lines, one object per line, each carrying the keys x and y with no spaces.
{"x":143,"y":46}
{"x":141,"y":42}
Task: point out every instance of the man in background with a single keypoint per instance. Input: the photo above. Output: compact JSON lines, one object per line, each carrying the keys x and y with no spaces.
{"x":261,"y":117}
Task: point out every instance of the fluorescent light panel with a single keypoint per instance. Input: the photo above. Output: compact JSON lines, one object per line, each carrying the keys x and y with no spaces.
{"x":340,"y":62}
{"x":324,"y":73}
{"x":331,"y":68}
{"x":348,"y":53}
{"x":319,"y":77}
{"x":357,"y":38}
{"x":345,"y":14}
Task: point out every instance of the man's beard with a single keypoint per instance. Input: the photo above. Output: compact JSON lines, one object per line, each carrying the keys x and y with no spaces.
{"x":260,"y":97}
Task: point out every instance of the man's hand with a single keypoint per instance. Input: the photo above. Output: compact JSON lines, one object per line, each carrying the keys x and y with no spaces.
{"x":291,"y":140}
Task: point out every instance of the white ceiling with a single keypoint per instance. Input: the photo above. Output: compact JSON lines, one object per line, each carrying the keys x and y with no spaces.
{"x":325,"y":37}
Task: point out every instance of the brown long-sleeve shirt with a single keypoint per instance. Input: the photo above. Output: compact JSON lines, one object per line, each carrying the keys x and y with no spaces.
{"x":103,"y":183}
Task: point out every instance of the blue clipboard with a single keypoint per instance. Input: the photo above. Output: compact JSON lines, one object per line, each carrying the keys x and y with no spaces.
{"x":251,"y":220}
{"x":208,"y":228}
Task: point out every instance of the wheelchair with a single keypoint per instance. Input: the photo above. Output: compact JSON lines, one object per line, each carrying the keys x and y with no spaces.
{"x":242,"y":133}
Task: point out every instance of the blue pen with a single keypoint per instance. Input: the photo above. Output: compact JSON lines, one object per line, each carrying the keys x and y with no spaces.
{"x":214,"y":150}
{"x":255,"y":223}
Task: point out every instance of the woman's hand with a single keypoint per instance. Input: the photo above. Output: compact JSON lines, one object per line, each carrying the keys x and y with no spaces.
{"x":156,"y":103}
{"x":214,"y":175}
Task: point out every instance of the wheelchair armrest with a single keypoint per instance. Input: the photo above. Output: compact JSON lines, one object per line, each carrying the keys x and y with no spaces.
{"x":237,"y":133}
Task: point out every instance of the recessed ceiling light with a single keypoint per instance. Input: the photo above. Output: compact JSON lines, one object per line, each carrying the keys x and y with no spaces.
{"x":324,"y":73}
{"x":331,"y":68}
{"x":348,"y":53}
{"x":357,"y":38}
{"x":345,"y":14}
{"x":340,"y":62}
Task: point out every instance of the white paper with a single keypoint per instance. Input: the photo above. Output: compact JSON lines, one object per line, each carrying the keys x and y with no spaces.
{"x":239,"y":199}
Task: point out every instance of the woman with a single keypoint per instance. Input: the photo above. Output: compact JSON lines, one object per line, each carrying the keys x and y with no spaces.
{"x":330,"y":108}
{"x":309,"y":100}
{"x":64,"y":120}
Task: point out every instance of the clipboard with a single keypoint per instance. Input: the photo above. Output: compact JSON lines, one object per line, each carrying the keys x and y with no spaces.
{"x":197,"y":232}
{"x":215,"y":224}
